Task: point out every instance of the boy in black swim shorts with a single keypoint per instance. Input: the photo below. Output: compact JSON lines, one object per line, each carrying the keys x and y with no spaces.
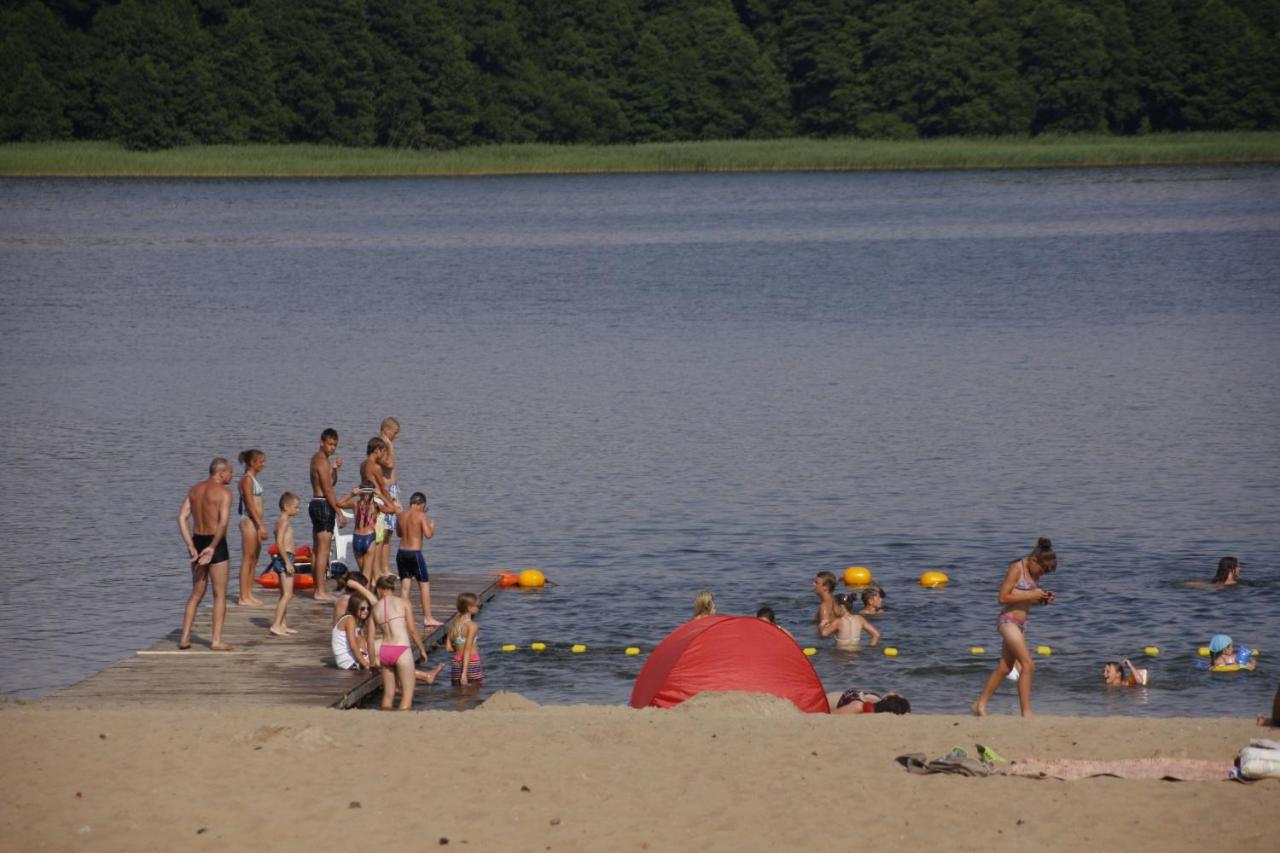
{"x":323,"y":509}
{"x":415,"y":525}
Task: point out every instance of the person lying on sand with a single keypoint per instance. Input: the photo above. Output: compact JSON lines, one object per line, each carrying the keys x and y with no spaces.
{"x":864,"y":702}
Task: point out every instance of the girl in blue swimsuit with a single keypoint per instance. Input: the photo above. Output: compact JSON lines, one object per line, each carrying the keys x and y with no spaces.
{"x":1019,"y":591}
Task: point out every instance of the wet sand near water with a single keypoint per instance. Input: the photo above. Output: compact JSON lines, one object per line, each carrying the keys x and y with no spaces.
{"x":727,"y":772}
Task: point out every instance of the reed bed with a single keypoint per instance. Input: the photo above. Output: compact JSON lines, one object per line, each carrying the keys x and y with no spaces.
{"x":104,"y":159}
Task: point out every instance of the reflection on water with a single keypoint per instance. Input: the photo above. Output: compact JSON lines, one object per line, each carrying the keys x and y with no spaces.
{"x":651,"y":385}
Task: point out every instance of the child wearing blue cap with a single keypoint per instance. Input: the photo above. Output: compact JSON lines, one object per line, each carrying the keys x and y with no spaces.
{"x":1224,"y":653}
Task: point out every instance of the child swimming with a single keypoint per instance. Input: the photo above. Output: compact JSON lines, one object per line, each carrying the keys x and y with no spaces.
{"x":1223,"y":651}
{"x":766,"y":614}
{"x":1228,"y":573}
{"x":704,"y":604}
{"x":848,"y":626}
{"x":872,"y":602}
{"x":1113,"y":675}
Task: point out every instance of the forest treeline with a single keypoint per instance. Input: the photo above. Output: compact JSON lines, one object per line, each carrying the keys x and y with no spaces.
{"x":447,"y":73}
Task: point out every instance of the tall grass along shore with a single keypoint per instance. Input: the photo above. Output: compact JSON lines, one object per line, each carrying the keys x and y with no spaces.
{"x":103,"y":159}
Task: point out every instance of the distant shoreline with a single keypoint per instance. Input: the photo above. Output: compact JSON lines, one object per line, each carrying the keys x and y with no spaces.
{"x":108,"y":160}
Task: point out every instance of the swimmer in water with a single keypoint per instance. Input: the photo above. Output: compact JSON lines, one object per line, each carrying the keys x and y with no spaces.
{"x":1224,"y":653}
{"x":848,"y":626}
{"x":872,"y":602}
{"x":1113,"y":675}
{"x":704,"y":604}
{"x":1228,"y":572}
{"x":766,"y":614}
{"x":1019,"y":591}
{"x":824,"y":586}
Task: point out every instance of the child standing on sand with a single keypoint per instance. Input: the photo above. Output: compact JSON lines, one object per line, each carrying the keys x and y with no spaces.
{"x":461,"y":640}
{"x":282,"y":562}
{"x":848,"y":626}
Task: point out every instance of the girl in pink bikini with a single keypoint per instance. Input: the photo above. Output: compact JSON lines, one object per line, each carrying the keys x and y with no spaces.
{"x":394,"y":618}
{"x":1019,"y":591}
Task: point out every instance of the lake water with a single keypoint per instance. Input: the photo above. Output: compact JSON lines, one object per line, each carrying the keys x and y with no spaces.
{"x":652,"y":385}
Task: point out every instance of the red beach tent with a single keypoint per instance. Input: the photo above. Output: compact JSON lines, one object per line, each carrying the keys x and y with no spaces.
{"x":728,"y":653}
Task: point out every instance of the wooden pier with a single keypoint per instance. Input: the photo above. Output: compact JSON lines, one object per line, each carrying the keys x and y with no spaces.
{"x":263,"y":669}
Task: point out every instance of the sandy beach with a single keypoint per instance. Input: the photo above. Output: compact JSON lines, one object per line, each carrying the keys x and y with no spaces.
{"x":726,"y":772}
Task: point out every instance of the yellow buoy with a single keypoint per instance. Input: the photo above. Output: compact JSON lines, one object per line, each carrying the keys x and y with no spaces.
{"x":1203,"y":651}
{"x":977,"y":650}
{"x":890,"y":652}
{"x":857,"y":576}
{"x":1151,"y":651}
{"x":578,"y":648}
{"x":1254,"y":653}
{"x":933,"y":580}
{"x":632,"y":650}
{"x":1043,"y":650}
{"x":532,"y":579}
{"x":509,"y":648}
{"x":538,"y":647}
{"x":810,"y":651}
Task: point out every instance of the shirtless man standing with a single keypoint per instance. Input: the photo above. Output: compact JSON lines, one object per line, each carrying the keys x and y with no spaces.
{"x":382,"y":554}
{"x":323,"y":509}
{"x":210,"y":502}
{"x":416,"y":525}
{"x":824,"y":586}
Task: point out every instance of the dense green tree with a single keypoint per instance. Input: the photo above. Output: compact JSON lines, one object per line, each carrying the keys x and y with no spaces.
{"x":441,"y":73}
{"x":1231,"y":71}
{"x":321,"y":53}
{"x":1160,"y":64}
{"x":1064,"y":58}
{"x":717,"y":81}
{"x":155,"y":72}
{"x":425,"y":90}
{"x":246,"y":108}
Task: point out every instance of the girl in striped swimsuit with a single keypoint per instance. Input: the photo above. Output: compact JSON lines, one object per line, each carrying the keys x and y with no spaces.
{"x":461,"y":640}
{"x":1019,"y":591}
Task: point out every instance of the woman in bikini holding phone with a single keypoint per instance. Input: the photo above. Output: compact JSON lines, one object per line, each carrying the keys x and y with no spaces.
{"x":1019,"y":591}
{"x":394,"y":618}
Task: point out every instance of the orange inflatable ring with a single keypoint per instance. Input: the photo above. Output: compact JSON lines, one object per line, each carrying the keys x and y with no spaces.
{"x":271,"y":580}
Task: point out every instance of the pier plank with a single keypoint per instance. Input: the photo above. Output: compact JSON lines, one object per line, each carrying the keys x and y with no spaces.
{"x":264,"y":669}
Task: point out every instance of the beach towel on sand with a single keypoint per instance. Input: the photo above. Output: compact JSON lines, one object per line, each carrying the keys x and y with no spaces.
{"x":957,"y":762}
{"x":1168,"y":769}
